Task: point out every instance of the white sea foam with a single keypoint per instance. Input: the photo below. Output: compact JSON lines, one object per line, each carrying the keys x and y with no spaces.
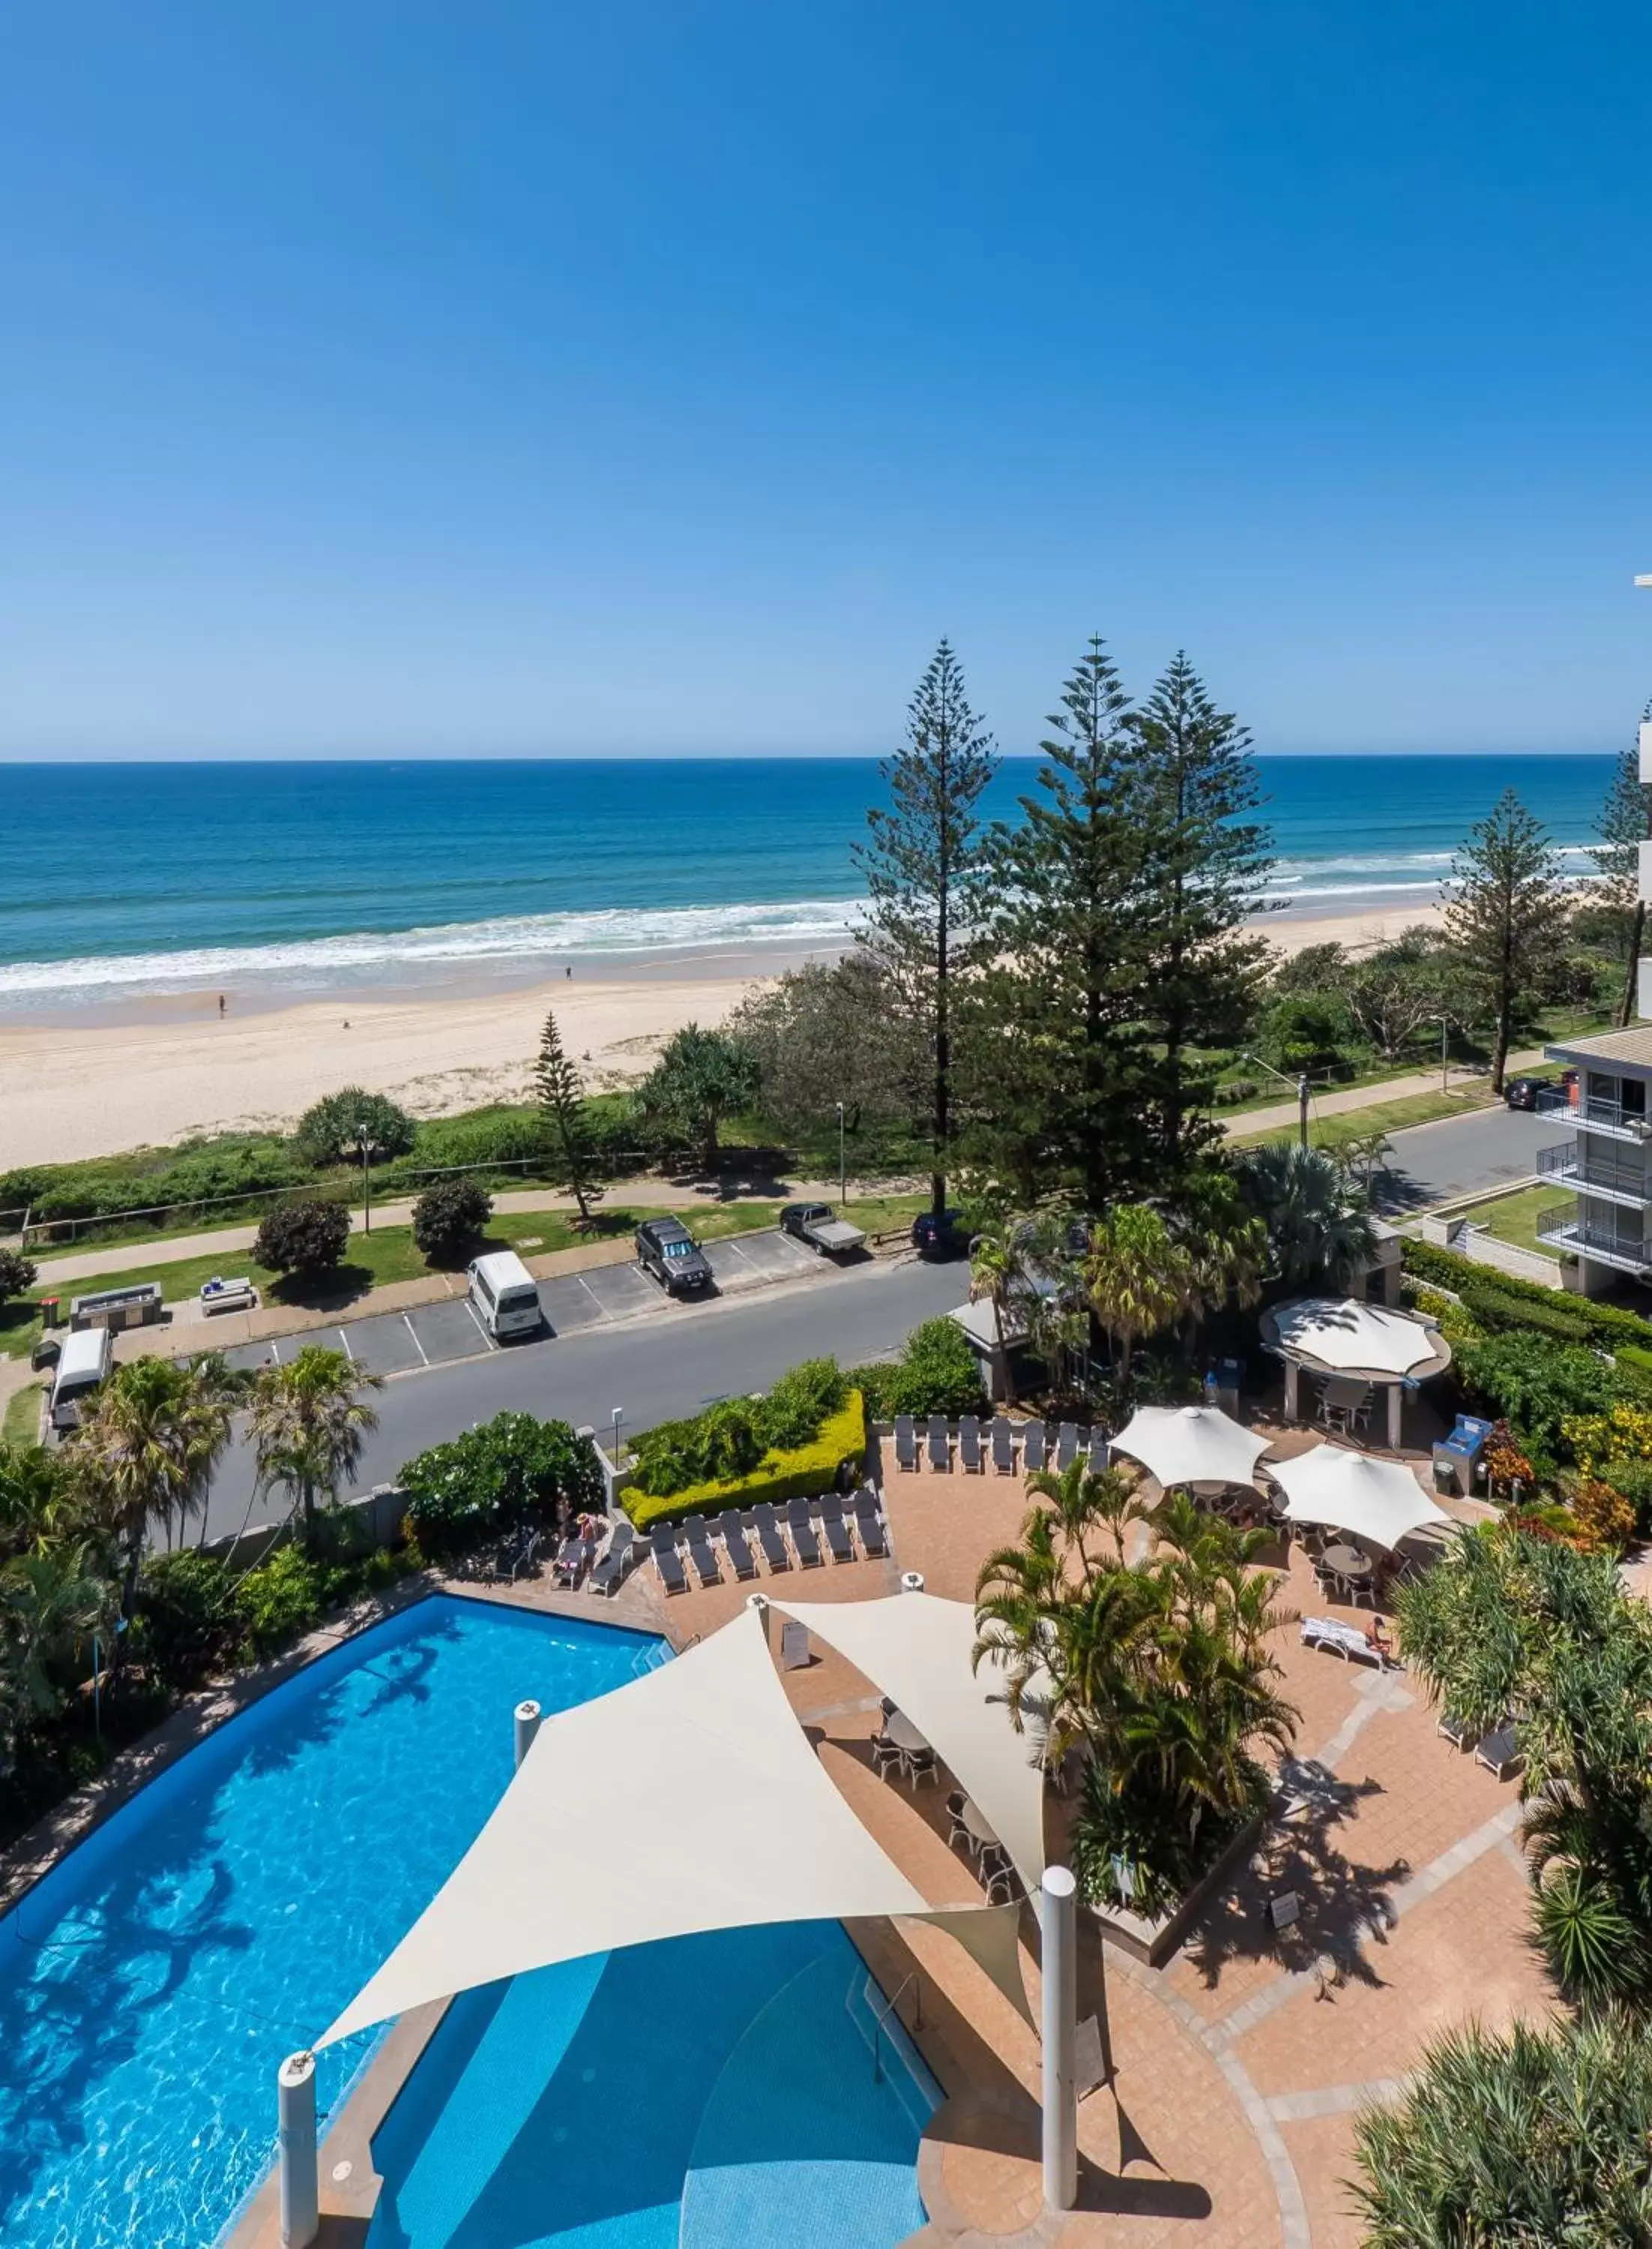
{"x":360,"y":955}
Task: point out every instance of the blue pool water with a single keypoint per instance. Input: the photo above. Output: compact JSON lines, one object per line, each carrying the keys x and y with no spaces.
{"x":150,"y":1985}
{"x":714,"y":2091}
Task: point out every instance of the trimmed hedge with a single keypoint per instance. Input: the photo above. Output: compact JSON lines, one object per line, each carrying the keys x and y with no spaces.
{"x":799,"y":1474}
{"x":1498,"y":1300}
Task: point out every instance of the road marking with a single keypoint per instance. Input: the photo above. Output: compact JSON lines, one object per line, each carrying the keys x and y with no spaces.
{"x":602,"y":1311}
{"x":480,"y":1329}
{"x":417,"y":1345}
{"x":345,"y":1340}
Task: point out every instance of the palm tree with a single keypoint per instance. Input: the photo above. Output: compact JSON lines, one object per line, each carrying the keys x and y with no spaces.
{"x":997,"y":1272}
{"x":1138,"y":1278}
{"x":49,"y":1601}
{"x":145,"y":1451}
{"x":1317,"y":1241}
{"x":1081,"y":1499}
{"x":309,"y":1423}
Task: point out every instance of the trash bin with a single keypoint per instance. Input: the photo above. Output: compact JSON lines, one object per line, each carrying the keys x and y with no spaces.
{"x":49,"y":1311}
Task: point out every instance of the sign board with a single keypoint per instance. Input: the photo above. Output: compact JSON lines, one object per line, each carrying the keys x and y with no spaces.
{"x":794,"y":1646}
{"x":1089,"y":2070}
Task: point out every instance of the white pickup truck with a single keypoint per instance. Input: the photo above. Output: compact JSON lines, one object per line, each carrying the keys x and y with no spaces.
{"x":813,"y":1222}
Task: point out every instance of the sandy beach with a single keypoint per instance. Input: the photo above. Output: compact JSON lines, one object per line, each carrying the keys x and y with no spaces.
{"x":152,"y":1074}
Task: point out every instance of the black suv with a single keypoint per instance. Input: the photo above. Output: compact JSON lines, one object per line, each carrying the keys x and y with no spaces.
{"x":666,"y":1249}
{"x":945,"y":1236}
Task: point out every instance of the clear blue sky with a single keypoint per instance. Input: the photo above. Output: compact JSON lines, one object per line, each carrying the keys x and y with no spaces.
{"x":511,"y":375}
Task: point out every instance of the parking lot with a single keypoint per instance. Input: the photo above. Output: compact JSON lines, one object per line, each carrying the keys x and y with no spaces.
{"x":432,"y":1335}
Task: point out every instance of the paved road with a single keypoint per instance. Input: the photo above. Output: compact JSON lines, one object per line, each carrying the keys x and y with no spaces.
{"x":652,"y":1369}
{"x":1463,"y":1155}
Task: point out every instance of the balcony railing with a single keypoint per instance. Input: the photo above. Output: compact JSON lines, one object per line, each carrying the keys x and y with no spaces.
{"x":1558,"y":1159}
{"x":1563,"y":1222}
{"x":1593,"y":1165}
{"x":1614,"y":1116}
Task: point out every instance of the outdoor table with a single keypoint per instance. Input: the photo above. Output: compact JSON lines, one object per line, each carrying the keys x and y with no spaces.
{"x":981,"y":1834}
{"x":1346,"y":1562}
{"x":900,"y":1729}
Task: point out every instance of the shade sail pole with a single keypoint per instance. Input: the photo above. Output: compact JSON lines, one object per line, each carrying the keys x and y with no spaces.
{"x":1059,"y":1918}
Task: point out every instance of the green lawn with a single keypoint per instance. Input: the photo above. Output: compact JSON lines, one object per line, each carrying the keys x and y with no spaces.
{"x":1334,"y":1131}
{"x":22,"y":1423}
{"x":1513,"y":1218}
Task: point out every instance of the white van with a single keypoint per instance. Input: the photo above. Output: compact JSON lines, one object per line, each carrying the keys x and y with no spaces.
{"x":502,"y":1294}
{"x":83,"y":1364}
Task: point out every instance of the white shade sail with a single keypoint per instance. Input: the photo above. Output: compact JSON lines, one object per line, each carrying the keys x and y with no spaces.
{"x":689,"y":1800}
{"x":1380,"y":1500}
{"x":916,"y":1648}
{"x":1190,"y":1444}
{"x":1348,"y":1337}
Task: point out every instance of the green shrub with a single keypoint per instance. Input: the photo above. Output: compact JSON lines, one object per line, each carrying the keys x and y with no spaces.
{"x":17,"y":1274}
{"x":936,"y":1372}
{"x":710,"y":1447}
{"x":799,"y":1473}
{"x":1608,"y":1325}
{"x":448,"y":1218}
{"x":332,"y":1130}
{"x":280,"y":1600}
{"x":801,"y":1401}
{"x":512,"y":1469}
{"x":1632,"y":1480}
{"x":185,"y":1623}
{"x":1536,"y":1384}
{"x":500,"y":1135}
{"x":302,"y":1237}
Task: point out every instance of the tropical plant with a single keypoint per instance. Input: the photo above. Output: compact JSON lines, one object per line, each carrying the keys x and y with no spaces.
{"x":927,"y":876}
{"x":282,"y":1597}
{"x":310,"y":1421}
{"x":1528,"y":2135}
{"x":147,"y":1448}
{"x":336,"y":1127}
{"x":1506,"y":915}
{"x":998,"y":1274}
{"x":51,"y":1599}
{"x":1316,"y":1239}
{"x":307,"y":1237}
{"x":936,"y":1373}
{"x":830,"y":1033}
{"x":701,"y":1078}
{"x":449,"y":1219}
{"x":570,"y":1157}
{"x":186,"y":1620}
{"x":1138,"y":1277}
{"x":1540,"y":1387}
{"x":18,"y":1275}
{"x":507,"y":1471}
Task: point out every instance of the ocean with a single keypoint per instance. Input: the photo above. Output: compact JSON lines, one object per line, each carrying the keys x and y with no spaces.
{"x":128,"y":881}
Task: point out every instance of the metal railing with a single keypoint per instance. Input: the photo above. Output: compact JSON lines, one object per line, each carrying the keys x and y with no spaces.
{"x":880,"y":2015}
{"x":1562,"y":1221}
{"x":1589,"y":1167}
{"x":1597,"y":1109}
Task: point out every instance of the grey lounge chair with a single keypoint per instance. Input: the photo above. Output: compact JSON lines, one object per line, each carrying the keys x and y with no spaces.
{"x":771,"y":1537}
{"x":837,"y":1531}
{"x":969,"y":1444}
{"x":572,"y":1562}
{"x":1032,"y":1447}
{"x":1499,"y":1753}
{"x":1067,"y":1446}
{"x":906,"y":1441}
{"x":702,"y":1552}
{"x":1003,"y":1438}
{"x":939,"y":1445}
{"x":1098,"y":1451}
{"x":736,"y":1544}
{"x":801,"y":1526}
{"x":869,"y":1523}
{"x":663,"y":1544}
{"x":610,"y":1572}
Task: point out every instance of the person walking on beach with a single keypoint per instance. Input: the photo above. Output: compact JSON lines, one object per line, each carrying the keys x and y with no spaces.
{"x":220,"y":1003}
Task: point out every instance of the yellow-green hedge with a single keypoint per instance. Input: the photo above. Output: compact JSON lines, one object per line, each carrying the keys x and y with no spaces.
{"x":811,"y":1468}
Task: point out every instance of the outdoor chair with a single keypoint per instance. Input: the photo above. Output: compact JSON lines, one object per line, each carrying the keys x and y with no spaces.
{"x":571,"y":1563}
{"x":1003,"y":1438}
{"x":957,"y":1831}
{"x":802,"y":1529}
{"x":771,"y":1537}
{"x":1098,"y":1452}
{"x":997,"y":1875}
{"x":1032,"y":1447}
{"x":836,"y":1532}
{"x":884,"y":1754}
{"x":1284,"y":1907}
{"x":906,"y":1441}
{"x":1457,"y":1731}
{"x":702,"y":1553}
{"x":920,"y":1765}
{"x":736,"y":1545}
{"x":1499,"y":1753}
{"x":667,"y":1560}
{"x":939,"y":1445}
{"x":526,"y":1561}
{"x":869,"y":1523}
{"x":1067,"y":1446}
{"x":610,"y":1572}
{"x":969,"y":1444}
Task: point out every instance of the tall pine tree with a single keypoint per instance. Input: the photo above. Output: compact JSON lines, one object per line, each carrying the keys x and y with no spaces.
{"x":569,"y":1162}
{"x":1507,"y":915}
{"x":1063,"y":1045}
{"x":926,"y":874}
{"x":1625,"y":823}
{"x":1204,"y":866}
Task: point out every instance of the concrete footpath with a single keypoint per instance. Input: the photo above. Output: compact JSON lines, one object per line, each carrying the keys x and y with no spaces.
{"x":1368,"y":1097}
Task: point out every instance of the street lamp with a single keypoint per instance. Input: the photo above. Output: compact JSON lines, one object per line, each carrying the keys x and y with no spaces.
{"x":842,"y":1191}
{"x":366,"y":1189}
{"x":1301,"y":1089}
{"x":616,"y":1440}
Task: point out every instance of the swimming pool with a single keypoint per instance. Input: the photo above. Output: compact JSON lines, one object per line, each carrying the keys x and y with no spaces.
{"x":150,"y":1985}
{"x":711,"y":2091}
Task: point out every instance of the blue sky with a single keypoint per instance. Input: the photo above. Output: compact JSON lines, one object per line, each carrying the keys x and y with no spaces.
{"x":393,"y":378}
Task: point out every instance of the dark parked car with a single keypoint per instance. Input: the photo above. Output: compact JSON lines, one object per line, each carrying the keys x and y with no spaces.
{"x":1523,"y":1092}
{"x":666,"y":1249}
{"x":946,"y":1237}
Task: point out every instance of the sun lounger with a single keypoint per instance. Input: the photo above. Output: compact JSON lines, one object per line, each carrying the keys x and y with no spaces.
{"x":1457,"y":1731}
{"x":702,"y":1553}
{"x":526,"y":1560}
{"x":1033,"y":1442}
{"x":837,"y":1533}
{"x":571,"y":1564}
{"x":1345,"y":1640}
{"x":869,"y":1523}
{"x":801,"y":1525}
{"x":771,"y":1537}
{"x":1001,"y":1438}
{"x":736,"y":1544}
{"x":939,"y":1445}
{"x":969,"y":1444}
{"x":610,"y":1572}
{"x":667,"y":1560}
{"x":906,"y":1441}
{"x":1067,"y":1446}
{"x":1499,"y":1753}
{"x":1098,"y":1451}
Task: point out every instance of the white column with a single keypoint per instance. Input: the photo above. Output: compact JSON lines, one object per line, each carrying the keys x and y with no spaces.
{"x":760,"y":1603}
{"x":1397,"y":1399}
{"x":912,"y":1581}
{"x":1292,"y":1376}
{"x":1059,"y":1918}
{"x":527,"y":1725}
{"x":296,"y":2150}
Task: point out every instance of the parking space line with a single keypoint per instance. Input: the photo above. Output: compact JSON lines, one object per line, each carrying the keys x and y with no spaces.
{"x":417,"y":1345}
{"x":602,"y":1311}
{"x":480,"y":1329}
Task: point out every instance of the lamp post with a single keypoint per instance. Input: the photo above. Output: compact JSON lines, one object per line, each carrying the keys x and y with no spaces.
{"x":842,"y":1175}
{"x":366,"y":1189}
{"x":1300,"y":1089}
{"x":616,"y":1440}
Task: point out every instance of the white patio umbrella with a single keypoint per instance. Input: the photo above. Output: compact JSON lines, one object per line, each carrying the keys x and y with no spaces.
{"x":1190,"y":1444}
{"x":1349,"y":1337}
{"x":1379,"y":1501}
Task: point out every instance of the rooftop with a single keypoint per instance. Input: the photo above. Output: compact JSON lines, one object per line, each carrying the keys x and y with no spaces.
{"x":1632,"y":1045}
